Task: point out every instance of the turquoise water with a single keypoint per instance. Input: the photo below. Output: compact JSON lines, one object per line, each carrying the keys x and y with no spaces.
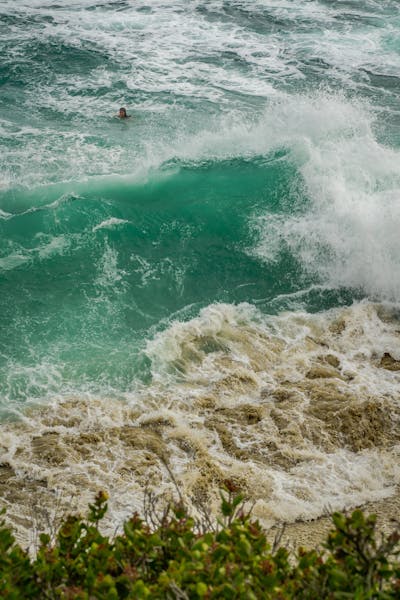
{"x":219,"y":274}
{"x":261,"y":161}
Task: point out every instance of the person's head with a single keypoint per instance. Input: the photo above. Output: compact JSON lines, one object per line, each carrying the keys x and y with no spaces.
{"x":122,"y":113}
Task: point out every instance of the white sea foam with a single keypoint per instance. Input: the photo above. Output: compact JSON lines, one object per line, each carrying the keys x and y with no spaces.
{"x":222,"y":357}
{"x":13,"y":261}
{"x":48,"y":246}
{"x":57,"y":245}
{"x":110,"y":223}
{"x":348,"y":233}
{"x":201,"y":52}
{"x":5,"y":215}
{"x":300,"y":410}
{"x":109,"y":274}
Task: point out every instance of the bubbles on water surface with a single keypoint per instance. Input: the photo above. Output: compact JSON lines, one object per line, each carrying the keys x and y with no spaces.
{"x":300,"y":410}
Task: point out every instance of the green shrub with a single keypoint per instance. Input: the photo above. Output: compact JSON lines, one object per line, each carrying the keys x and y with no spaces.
{"x":179,"y":559}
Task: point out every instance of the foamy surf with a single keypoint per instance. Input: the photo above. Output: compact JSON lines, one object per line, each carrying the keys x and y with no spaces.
{"x":259,"y":169}
{"x":110,"y":223}
{"x":300,"y":410}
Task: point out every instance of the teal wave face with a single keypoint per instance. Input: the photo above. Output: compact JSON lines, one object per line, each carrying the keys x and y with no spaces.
{"x":87,"y":276}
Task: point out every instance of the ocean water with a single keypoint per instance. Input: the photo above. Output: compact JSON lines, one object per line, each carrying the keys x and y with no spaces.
{"x":209,"y":290}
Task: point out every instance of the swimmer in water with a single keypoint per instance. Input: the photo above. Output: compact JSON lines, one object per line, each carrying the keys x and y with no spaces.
{"x":122,"y":114}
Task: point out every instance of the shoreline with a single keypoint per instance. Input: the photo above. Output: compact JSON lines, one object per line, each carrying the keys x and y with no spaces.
{"x":308,"y":534}
{"x":311,"y":534}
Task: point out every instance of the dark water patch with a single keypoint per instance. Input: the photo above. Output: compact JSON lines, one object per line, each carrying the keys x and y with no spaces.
{"x":67,"y":58}
{"x":8,"y":22}
{"x":115,"y":5}
{"x":381,"y":80}
{"x":353,"y":18}
{"x":145,"y":9}
{"x":262,"y":20}
{"x":385,"y":7}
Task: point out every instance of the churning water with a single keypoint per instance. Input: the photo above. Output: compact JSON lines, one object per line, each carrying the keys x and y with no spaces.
{"x":210,"y":288}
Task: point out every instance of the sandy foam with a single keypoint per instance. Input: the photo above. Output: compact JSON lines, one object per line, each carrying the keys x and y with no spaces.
{"x":300,"y":410}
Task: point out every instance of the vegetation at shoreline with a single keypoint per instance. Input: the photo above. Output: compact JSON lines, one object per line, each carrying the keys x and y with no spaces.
{"x":171,"y":555}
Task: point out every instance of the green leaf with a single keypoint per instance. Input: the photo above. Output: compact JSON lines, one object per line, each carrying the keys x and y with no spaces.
{"x":201,"y":589}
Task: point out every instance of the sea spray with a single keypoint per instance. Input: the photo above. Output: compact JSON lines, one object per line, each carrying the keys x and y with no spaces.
{"x":209,"y":289}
